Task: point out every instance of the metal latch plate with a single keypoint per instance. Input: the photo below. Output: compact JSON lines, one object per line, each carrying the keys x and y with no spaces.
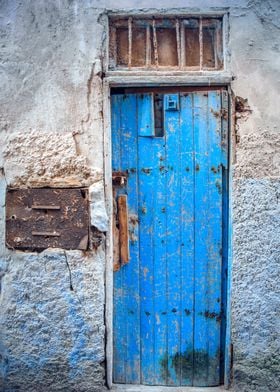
{"x":171,"y":102}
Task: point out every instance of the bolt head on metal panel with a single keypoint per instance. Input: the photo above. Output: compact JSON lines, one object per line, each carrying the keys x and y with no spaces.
{"x":37,"y":219}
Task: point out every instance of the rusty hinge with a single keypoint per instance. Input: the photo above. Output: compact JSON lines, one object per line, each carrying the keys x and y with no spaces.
{"x":119,"y":178}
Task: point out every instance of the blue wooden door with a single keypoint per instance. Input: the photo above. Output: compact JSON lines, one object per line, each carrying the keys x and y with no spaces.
{"x":170,"y":299}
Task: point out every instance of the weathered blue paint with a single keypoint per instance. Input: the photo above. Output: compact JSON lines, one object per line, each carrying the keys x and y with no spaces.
{"x":187,"y":238}
{"x":145,"y":106}
{"x":227,"y":258}
{"x":170,"y":299}
{"x":226,"y":244}
{"x":126,"y":309}
{"x":173,"y":232}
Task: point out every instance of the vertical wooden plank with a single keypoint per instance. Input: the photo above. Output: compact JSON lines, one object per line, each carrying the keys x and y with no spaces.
{"x":228,"y":345}
{"x":116,"y":166}
{"x":146,"y":126}
{"x":201,"y":143}
{"x":224,"y":130}
{"x":225,"y":239}
{"x":119,"y":319}
{"x":147,"y":165}
{"x":131,"y":270}
{"x":187,"y":239}
{"x":214,"y":239}
{"x":224,"y":272}
{"x":208,"y":212}
{"x":123,"y":229}
{"x":126,"y":285}
{"x":160,"y":276}
{"x":173,"y":237}
{"x":116,"y":126}
{"x":109,"y":236}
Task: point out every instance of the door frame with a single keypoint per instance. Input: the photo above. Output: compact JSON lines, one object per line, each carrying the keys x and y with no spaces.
{"x":159,"y":80}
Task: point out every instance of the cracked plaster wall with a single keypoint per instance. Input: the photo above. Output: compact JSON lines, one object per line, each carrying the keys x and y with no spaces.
{"x":52,"y":333}
{"x":255,"y":61}
{"x":52,"y":314}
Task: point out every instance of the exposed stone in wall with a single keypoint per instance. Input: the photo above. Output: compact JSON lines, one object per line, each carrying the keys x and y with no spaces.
{"x":98,"y":214}
{"x":39,"y":159}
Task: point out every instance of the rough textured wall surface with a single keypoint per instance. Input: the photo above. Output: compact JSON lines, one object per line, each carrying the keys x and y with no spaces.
{"x":53,"y":326}
{"x":255,"y":61}
{"x":52,"y":303}
{"x":52,"y":331}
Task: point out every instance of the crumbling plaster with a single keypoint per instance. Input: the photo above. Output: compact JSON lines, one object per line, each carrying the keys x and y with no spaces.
{"x":255,"y":62}
{"x":52,"y":330}
{"x":52,"y":304}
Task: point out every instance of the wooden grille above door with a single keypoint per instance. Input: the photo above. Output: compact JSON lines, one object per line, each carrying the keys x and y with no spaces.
{"x":166,"y":43}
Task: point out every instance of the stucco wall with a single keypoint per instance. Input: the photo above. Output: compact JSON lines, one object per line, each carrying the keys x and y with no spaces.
{"x":52,"y":303}
{"x":256,"y":219}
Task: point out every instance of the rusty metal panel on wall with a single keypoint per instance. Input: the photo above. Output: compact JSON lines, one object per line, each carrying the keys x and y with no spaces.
{"x":37,"y":219}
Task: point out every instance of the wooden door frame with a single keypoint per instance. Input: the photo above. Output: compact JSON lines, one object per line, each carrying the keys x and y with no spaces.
{"x":158,"y":80}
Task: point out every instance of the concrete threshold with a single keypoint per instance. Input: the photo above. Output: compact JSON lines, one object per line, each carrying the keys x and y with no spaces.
{"x":147,"y":388}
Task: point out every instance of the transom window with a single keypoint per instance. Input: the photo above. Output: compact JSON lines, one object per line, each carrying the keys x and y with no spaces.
{"x":160,"y":43}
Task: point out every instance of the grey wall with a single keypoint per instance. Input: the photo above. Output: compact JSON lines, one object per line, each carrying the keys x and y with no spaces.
{"x":256,"y":220}
{"x":52,"y":303}
{"x":52,"y":329}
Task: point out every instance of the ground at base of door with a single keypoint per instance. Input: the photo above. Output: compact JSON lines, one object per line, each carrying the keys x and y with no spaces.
{"x":147,"y":388}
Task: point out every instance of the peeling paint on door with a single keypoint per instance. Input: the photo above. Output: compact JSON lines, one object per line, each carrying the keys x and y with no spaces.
{"x":169,"y":301}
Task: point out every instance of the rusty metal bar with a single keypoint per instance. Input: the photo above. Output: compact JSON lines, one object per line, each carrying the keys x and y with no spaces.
{"x":129,"y":41}
{"x":45,"y":233}
{"x":183,"y":45}
{"x":148,"y":46}
{"x":216,"y":46}
{"x":200,"y":44}
{"x":155,"y":42}
{"x":113,"y":47}
{"x":178,"y":42}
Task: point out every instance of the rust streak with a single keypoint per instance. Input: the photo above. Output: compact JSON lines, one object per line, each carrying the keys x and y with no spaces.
{"x":155,"y":42}
{"x":178,"y":42}
{"x":200,"y":44}
{"x":129,"y":41}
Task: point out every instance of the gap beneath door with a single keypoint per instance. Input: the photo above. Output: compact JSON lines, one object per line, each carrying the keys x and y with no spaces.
{"x":148,"y":388}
